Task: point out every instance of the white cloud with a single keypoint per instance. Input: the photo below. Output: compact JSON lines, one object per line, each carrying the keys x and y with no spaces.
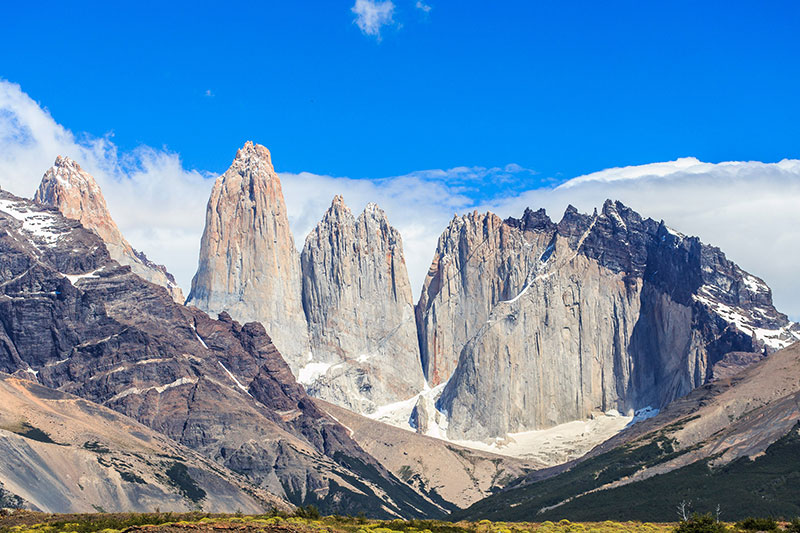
{"x":423,"y":6}
{"x":749,"y":209}
{"x":158,"y":205}
{"x":372,"y":15}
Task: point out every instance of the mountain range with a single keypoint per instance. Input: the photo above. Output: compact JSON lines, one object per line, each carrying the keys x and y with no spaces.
{"x":296,"y":377}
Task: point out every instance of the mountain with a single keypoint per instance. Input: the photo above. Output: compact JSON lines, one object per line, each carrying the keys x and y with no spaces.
{"x":532,"y":324}
{"x":249,"y":266}
{"x":734,"y":442}
{"x":358,"y":302}
{"x":74,"y":320}
{"x":458,"y":475}
{"x":65,"y":454}
{"x":74,"y":192}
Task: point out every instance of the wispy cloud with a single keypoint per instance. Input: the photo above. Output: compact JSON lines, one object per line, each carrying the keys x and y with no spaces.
{"x":422,"y":6}
{"x":372,"y":15}
{"x":165,"y":220}
{"x":749,"y":209}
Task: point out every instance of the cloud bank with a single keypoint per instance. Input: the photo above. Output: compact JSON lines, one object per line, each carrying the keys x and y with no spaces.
{"x":157,"y":203}
{"x":749,"y":209}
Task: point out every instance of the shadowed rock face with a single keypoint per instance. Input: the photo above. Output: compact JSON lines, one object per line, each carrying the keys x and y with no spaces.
{"x":249,"y":266}
{"x":74,"y":320}
{"x":358,"y":303}
{"x":66,"y":454}
{"x":546,"y":323}
{"x":74,"y":192}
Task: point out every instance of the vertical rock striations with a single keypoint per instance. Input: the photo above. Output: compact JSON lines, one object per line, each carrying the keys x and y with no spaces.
{"x":479,"y":261}
{"x":74,"y":192}
{"x":358,"y":303}
{"x":551,"y":323}
{"x":249,"y":266}
{"x":74,"y":320}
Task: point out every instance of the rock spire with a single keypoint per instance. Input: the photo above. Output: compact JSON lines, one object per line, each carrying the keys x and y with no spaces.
{"x":74,"y":192}
{"x":248,"y":265}
{"x":358,"y":302}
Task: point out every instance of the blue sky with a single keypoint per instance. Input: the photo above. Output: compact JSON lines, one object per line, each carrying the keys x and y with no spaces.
{"x":563,"y":88}
{"x":428,"y":107}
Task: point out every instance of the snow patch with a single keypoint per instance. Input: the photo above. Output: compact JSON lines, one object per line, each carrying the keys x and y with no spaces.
{"x":776,"y":339}
{"x":644,"y":414}
{"x":198,"y":337}
{"x":41,"y":224}
{"x":550,"y":446}
{"x":309,"y":373}
{"x":398,"y":414}
{"x":238,"y":383}
{"x":73,"y":278}
{"x":557,"y":444}
{"x":754,"y":285}
{"x":159,"y":389}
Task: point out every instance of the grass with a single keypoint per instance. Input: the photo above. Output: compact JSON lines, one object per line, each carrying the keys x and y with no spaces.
{"x":30,"y":522}
{"x":306,"y":520}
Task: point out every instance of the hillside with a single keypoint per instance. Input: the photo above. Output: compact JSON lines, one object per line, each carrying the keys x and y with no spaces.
{"x":733,"y":442}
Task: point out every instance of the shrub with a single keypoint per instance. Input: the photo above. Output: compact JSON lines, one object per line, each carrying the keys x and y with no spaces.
{"x":309,"y":511}
{"x":793,"y":526}
{"x":698,"y":523}
{"x":757,"y":524}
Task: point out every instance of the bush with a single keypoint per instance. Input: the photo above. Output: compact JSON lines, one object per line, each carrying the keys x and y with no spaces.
{"x":309,"y":511}
{"x":793,"y":526}
{"x":698,"y":523}
{"x":757,"y":524}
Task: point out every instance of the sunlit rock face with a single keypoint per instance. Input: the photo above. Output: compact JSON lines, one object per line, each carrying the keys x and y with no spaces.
{"x":535,"y":323}
{"x":358,"y":303}
{"x":75,"y":320}
{"x":249,"y":266}
{"x":74,"y":192}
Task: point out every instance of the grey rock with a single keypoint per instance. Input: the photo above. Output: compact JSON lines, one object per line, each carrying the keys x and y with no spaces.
{"x":74,"y":192}
{"x":74,"y":320}
{"x":358,"y":304}
{"x":615,"y":312}
{"x":249,"y":266}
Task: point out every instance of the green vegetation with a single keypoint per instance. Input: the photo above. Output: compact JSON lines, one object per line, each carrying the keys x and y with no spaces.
{"x":296,"y":522}
{"x":29,"y":432}
{"x":307,"y":520}
{"x":764,"y":486}
{"x":179,"y":476}
{"x":405,"y":473}
{"x":757,"y":524}
{"x":698,"y":523}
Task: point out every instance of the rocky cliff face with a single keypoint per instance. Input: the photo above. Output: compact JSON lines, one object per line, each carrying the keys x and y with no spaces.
{"x":551,"y":322}
{"x":479,"y":261}
{"x":358,"y":303}
{"x":249,"y":266}
{"x":74,"y":192}
{"x":74,"y":320}
{"x":65,"y":454}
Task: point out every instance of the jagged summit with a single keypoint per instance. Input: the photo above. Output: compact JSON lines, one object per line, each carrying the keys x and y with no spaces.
{"x":533,"y":324}
{"x":248,"y":264}
{"x":253,"y":155}
{"x":359,"y":307}
{"x":75,"y":321}
{"x":76,"y":194}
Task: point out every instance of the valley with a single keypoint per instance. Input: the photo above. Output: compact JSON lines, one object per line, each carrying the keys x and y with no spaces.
{"x":547,"y":368}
